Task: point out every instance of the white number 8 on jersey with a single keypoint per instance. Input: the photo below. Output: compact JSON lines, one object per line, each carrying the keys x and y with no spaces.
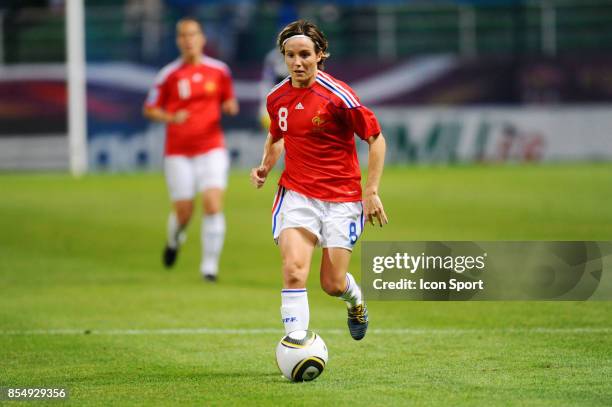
{"x":282,"y":118}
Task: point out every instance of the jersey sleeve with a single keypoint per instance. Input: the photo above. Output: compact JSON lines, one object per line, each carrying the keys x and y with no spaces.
{"x":363,"y":122}
{"x":275,"y":130}
{"x":158,"y":93}
{"x":356,"y":116}
{"x":227,"y":85}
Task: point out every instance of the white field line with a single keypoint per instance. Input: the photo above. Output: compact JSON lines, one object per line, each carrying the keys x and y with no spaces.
{"x":278,"y":331}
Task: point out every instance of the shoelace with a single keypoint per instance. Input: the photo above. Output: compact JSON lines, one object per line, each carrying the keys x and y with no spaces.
{"x":357,"y":313}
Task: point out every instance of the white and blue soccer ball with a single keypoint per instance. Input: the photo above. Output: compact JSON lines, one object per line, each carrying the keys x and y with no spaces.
{"x":301,"y":356}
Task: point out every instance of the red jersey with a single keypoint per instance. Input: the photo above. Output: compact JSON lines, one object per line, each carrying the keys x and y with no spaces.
{"x":318,"y":125}
{"x":200,"y":89}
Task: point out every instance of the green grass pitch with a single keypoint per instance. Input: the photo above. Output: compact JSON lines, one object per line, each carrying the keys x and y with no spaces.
{"x":81,"y":256}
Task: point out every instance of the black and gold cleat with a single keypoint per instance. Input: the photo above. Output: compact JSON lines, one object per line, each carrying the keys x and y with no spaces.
{"x":358,"y":321}
{"x":211,"y":278}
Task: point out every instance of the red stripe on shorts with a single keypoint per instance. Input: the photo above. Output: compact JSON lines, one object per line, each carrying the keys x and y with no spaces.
{"x":278,"y":195}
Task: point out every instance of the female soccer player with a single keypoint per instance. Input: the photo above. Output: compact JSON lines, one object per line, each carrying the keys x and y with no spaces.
{"x":314,"y":117}
{"x":189,"y":96}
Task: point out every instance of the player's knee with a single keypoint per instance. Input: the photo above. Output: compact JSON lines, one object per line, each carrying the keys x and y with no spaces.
{"x":183,"y":215}
{"x":294,"y":273}
{"x":333,"y":287}
{"x":212,"y":208}
{"x":212,"y":202}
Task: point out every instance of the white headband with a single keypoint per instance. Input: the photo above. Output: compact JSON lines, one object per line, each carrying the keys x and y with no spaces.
{"x":297,"y":36}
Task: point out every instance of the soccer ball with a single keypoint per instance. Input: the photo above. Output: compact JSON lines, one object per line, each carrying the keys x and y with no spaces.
{"x":301,"y":356}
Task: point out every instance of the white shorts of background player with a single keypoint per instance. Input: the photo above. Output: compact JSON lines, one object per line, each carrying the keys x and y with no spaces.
{"x":187,"y":176}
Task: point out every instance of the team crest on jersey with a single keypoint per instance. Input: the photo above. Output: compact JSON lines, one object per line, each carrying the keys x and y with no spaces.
{"x":318,"y":121}
{"x":210,"y":86}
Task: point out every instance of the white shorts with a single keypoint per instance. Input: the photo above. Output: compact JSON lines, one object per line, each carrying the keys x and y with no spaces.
{"x":335,"y":224}
{"x":186,"y":176}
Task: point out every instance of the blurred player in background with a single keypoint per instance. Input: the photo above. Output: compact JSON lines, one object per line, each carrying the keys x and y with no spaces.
{"x":274,"y":71}
{"x":189,"y":95}
{"x":314,"y":117}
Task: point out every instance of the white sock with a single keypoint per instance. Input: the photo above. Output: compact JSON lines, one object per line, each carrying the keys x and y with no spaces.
{"x":212,"y":236}
{"x":173,"y":231}
{"x":294,"y":309}
{"x":352,"y":294}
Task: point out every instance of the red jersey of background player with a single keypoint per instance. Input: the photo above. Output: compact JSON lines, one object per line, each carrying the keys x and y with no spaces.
{"x":318,"y":125}
{"x":200,"y":89}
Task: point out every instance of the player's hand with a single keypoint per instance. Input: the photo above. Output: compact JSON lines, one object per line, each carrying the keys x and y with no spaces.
{"x":373,"y":208}
{"x":258,"y":176}
{"x":180,"y":116}
{"x":230,"y":107}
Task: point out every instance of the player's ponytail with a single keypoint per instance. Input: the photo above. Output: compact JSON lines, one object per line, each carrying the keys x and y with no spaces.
{"x":303,"y":27}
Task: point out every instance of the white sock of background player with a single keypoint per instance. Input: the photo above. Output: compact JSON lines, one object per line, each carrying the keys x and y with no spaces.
{"x":173,"y":231}
{"x":212,"y":237}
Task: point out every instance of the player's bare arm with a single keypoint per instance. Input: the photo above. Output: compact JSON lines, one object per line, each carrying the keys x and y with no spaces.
{"x":230,"y":107}
{"x":372,"y":205}
{"x":160,"y":115}
{"x":272,"y":151}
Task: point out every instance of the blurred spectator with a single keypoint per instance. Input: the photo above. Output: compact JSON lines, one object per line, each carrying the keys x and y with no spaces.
{"x":274,"y":71}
